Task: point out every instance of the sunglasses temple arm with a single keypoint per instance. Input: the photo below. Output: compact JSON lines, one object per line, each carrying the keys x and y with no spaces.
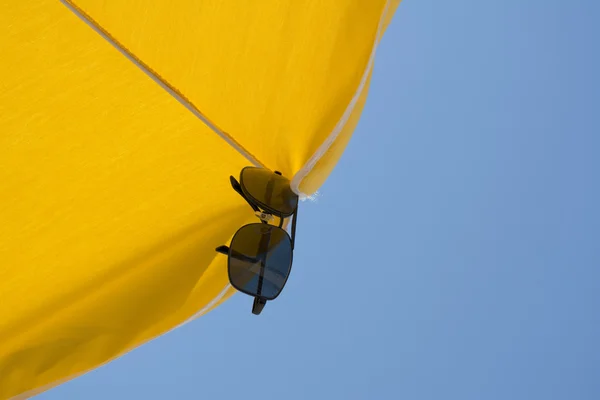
{"x":258,"y":305}
{"x":225,"y":250}
{"x":238,"y":188}
{"x":263,"y":247}
{"x":269,"y":191}
{"x":294,"y":228}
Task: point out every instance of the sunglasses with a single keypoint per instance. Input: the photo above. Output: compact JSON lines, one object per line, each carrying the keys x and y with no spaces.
{"x":259,"y":257}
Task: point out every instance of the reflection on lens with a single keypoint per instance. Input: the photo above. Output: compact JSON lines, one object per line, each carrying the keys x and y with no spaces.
{"x":260,"y":260}
{"x":269,"y":189}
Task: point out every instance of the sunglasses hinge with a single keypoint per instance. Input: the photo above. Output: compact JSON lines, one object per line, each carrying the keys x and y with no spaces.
{"x":264,"y":216}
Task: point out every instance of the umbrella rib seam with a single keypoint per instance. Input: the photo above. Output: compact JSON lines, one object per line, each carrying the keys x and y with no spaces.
{"x":162,"y":82}
{"x":326,"y":145}
{"x":208,"y":307}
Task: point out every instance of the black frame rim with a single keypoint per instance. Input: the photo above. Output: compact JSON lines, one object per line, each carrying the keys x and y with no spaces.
{"x":229,"y":257}
{"x":260,"y":203}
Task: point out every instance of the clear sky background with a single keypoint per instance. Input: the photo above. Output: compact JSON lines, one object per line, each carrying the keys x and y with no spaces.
{"x":454,"y":253}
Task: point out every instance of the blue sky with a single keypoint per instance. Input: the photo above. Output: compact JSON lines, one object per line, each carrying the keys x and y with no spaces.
{"x":454,"y":253}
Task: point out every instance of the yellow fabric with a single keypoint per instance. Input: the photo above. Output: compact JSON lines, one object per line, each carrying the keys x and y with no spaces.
{"x":317,"y":176}
{"x":113,"y":194}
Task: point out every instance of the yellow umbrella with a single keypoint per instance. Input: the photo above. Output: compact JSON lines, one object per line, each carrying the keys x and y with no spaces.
{"x":120,"y":123}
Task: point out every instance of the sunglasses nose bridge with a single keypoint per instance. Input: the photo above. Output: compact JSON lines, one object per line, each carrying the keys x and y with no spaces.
{"x":264,"y":217}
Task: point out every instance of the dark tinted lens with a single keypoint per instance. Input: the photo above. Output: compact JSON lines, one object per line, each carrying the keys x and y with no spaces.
{"x":269,"y":189}
{"x":260,"y":250}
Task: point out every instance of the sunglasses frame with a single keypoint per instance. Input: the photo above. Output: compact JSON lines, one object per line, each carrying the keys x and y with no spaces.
{"x":230,"y":256}
{"x":260,"y":301}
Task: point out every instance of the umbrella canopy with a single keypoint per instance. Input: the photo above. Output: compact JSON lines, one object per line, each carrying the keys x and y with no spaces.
{"x":120,"y":123}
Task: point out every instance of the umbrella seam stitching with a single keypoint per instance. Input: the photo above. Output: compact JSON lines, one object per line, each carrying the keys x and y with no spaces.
{"x":207,"y":308}
{"x":326,"y":145}
{"x":157,"y":78}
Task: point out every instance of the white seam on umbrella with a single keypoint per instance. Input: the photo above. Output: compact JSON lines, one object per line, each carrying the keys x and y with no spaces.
{"x":176,"y":96}
{"x":295,"y":181}
{"x":207,"y":307}
{"x":216,"y":130}
{"x":307,"y":168}
{"x":187,"y":105}
{"x":39,"y":390}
